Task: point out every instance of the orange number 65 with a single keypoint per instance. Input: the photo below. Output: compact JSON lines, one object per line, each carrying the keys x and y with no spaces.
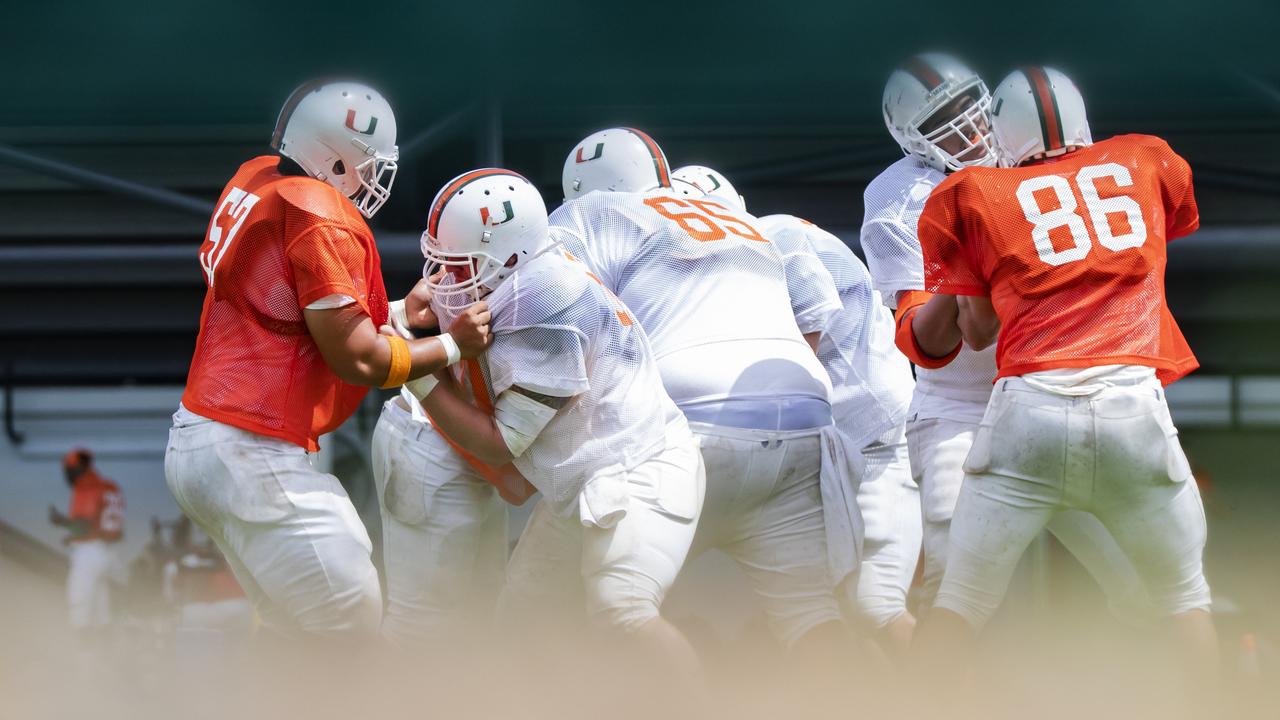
{"x":703,"y":226}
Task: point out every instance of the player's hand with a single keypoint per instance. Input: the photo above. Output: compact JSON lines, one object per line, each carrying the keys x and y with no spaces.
{"x":417,"y":307}
{"x":55,"y":517}
{"x":471,"y":330}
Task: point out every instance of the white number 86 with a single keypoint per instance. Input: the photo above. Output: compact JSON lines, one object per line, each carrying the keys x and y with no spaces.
{"x":1065,"y":213}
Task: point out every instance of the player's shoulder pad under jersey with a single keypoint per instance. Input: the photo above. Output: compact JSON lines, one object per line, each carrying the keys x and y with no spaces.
{"x":546,"y":292}
{"x":1136,"y":140}
{"x":904,"y":185}
{"x":785,"y":231}
{"x":318,"y":199}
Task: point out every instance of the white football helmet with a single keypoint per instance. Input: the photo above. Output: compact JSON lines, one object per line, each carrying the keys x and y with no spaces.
{"x":1037,"y":112}
{"x":344,"y":134}
{"x":616,"y":160}
{"x":936,"y":108}
{"x":483,"y":226}
{"x":711,"y":183}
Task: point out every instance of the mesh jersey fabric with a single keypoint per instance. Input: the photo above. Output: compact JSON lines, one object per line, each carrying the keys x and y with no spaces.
{"x":815,"y":299}
{"x":709,"y":289}
{"x":559,"y":331}
{"x":1072,"y":252}
{"x":893,"y":202}
{"x":871,"y":381}
{"x":98,"y":501}
{"x":276,"y":244}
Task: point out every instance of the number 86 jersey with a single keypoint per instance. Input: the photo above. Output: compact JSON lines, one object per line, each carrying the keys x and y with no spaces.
{"x":1071,"y":252}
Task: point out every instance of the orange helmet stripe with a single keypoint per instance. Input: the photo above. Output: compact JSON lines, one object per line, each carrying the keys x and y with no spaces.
{"x":433,"y":220}
{"x":659,"y":160}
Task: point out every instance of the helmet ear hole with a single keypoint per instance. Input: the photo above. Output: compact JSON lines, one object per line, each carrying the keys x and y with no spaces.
{"x":511,"y":261}
{"x":339,"y":168}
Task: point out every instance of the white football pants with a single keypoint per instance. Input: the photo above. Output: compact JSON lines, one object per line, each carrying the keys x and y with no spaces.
{"x":89,"y":583}
{"x":938,"y":448}
{"x":625,"y":570}
{"x":1114,"y":454}
{"x":444,"y":535}
{"x":289,"y":532}
{"x":764,"y":510}
{"x":890,"y":503}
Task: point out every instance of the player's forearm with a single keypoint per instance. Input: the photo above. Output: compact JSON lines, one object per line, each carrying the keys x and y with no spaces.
{"x":470,"y":427}
{"x":934,"y":325}
{"x":978,"y":322}
{"x":359,"y":355}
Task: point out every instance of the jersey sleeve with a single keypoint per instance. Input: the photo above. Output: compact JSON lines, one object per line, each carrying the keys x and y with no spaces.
{"x":893,"y":257}
{"x":548,"y":360}
{"x":945,"y":245}
{"x":583,"y":228}
{"x":1182,"y":217}
{"x":326,"y":259}
{"x":814,"y":297}
{"x":905,"y":336}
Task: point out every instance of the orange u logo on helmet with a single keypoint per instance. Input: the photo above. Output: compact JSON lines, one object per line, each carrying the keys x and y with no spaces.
{"x":595,"y":156}
{"x":351,"y":123}
{"x":491,"y":220}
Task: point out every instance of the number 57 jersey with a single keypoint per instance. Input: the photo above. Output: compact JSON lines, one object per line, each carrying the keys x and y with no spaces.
{"x":709,"y":290}
{"x":1071,"y":252}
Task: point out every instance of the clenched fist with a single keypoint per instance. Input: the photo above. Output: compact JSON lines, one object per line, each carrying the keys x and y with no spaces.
{"x":417,"y":307}
{"x":471,"y":330}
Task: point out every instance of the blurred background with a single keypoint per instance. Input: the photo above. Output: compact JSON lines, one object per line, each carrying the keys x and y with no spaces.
{"x":119,"y":127}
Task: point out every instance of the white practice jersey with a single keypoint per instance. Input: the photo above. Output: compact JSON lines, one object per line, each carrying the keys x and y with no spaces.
{"x":710,"y":291}
{"x":871,"y":380}
{"x":893,"y":203}
{"x":558,"y":331}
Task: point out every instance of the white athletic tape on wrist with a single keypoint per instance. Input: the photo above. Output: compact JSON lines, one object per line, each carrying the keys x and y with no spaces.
{"x":451,"y":349}
{"x":422,"y":387}
{"x":399,"y":317}
{"x":520,"y":418}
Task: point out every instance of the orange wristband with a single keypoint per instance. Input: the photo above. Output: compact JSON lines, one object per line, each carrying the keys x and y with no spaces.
{"x":401,"y":362}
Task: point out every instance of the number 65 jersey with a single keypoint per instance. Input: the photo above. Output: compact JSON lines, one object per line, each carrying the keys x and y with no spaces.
{"x":709,"y":290}
{"x":1071,"y":252}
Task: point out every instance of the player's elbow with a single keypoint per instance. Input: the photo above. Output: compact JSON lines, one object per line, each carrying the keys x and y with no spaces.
{"x":980,"y":340}
{"x":979,"y":324}
{"x":361,"y":368}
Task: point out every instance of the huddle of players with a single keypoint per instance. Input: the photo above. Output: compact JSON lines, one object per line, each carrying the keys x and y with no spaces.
{"x":673,"y":374}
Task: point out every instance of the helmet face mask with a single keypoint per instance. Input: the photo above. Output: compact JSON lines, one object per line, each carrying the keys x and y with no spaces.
{"x":376,"y":175}
{"x":958,"y":134}
{"x":457,"y":281}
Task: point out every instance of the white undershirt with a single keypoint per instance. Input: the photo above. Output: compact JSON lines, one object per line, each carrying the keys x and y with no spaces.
{"x":1074,"y":382}
{"x":331,"y":302}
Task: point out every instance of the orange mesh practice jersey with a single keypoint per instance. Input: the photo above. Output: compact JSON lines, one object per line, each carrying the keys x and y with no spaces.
{"x":1071,"y":252}
{"x":100,"y":502}
{"x":276,"y":244}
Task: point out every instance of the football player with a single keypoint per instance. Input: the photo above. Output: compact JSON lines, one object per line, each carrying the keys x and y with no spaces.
{"x":95,"y":523}
{"x":871,"y":384}
{"x":577,"y":405}
{"x":288,"y":347}
{"x":1062,"y":254}
{"x":937,"y":109}
{"x":736,"y":354}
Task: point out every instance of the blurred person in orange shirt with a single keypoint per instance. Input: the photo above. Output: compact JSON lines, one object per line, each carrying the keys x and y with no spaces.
{"x":95,"y":523}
